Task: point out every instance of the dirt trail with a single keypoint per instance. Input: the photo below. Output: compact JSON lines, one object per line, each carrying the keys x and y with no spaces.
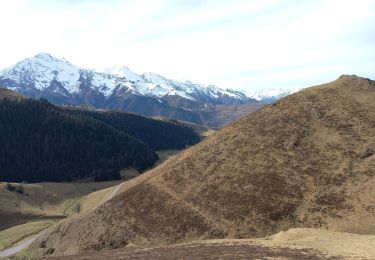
{"x":15,"y":249}
{"x":112,"y":194}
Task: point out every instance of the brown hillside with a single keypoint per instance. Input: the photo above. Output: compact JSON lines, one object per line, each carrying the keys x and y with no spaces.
{"x":306,"y":161}
{"x":9,"y":94}
{"x":296,"y":243}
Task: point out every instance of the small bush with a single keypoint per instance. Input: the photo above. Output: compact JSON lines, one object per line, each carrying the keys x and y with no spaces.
{"x":366,"y":153}
{"x":17,"y":188}
{"x":77,"y":207}
{"x":10,"y":187}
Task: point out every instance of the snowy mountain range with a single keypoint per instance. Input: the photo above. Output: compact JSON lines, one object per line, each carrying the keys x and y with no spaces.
{"x":46,"y":75}
{"x":268,"y":96}
{"x":59,"y":81}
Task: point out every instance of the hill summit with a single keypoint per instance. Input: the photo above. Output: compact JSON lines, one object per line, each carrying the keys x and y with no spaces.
{"x":305,"y":161}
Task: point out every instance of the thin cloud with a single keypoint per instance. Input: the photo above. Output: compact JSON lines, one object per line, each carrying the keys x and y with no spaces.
{"x":241,"y":44}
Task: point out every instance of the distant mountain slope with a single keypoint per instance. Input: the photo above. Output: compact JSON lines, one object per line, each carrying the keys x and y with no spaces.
{"x":157,"y":134}
{"x":42,"y":142}
{"x":39,"y":142}
{"x":268,"y":96}
{"x":305,"y":161}
{"x":11,"y":95}
{"x":61,"y":82}
{"x":44,"y":74}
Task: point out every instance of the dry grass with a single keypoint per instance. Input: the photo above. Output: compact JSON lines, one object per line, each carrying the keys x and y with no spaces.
{"x":11,"y":236}
{"x":129,"y":173}
{"x":166,"y":154}
{"x":347,"y":245}
{"x":209,"y":115}
{"x":42,"y":201}
{"x":222,"y":115}
{"x":302,"y":162}
{"x":199,"y":250}
{"x":299,"y":243}
{"x":208,"y":133}
{"x":93,"y":200}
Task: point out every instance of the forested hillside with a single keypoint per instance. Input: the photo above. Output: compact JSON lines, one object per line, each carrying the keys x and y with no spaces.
{"x":158,"y":134}
{"x":42,"y":142}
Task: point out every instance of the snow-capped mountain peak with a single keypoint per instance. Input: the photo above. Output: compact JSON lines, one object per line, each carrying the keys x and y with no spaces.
{"x":123,"y":71}
{"x":45,"y":75}
{"x":40,"y":70}
{"x":44,"y":55}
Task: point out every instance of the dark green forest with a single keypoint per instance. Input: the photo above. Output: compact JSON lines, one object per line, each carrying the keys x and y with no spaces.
{"x":158,"y":134}
{"x":42,"y":142}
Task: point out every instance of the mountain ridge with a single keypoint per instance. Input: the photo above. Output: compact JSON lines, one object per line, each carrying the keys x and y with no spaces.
{"x":40,"y":71}
{"x":150,"y":94}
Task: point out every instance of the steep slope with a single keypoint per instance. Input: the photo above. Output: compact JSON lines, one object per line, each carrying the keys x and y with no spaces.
{"x":305,"y":161}
{"x":61,"y":82}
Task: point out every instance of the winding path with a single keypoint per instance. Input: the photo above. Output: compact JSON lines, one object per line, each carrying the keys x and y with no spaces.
{"x":15,"y":249}
{"x":113,"y":193}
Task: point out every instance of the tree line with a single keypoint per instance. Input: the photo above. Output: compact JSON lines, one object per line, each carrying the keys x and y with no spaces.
{"x":43,"y":142}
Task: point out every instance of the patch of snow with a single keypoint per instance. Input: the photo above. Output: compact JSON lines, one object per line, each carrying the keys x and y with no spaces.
{"x":271,"y":94}
{"x":180,"y":94}
{"x":104,"y":83}
{"x":123,"y":72}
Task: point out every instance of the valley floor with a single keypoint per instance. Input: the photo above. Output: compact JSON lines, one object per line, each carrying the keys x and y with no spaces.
{"x":43,"y":205}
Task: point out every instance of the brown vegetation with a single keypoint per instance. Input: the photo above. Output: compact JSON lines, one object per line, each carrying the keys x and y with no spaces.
{"x":11,"y":95}
{"x":297,"y":163}
{"x":213,"y":250}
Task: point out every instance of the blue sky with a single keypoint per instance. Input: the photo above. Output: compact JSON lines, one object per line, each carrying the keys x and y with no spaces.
{"x":238,"y":44}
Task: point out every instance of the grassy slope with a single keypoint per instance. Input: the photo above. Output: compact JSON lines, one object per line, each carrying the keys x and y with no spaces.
{"x":305,"y":161}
